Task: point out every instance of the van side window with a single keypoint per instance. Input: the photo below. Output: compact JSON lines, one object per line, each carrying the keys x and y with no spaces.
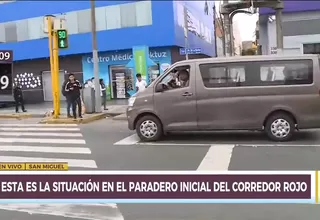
{"x":291,"y":72}
{"x":230,"y":75}
{"x":177,"y":78}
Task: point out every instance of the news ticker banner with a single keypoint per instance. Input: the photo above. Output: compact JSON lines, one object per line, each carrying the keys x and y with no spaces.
{"x":34,"y":166}
{"x":159,"y":187}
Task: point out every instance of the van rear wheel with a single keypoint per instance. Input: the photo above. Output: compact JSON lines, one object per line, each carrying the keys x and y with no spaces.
{"x":149,"y":128}
{"x":280,"y":127}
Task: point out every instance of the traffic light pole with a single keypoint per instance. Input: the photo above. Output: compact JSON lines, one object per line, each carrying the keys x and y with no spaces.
{"x":56,"y":73}
{"x":51,"y":37}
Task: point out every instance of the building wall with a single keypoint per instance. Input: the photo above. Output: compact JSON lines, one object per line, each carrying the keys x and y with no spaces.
{"x":121,"y":25}
{"x":298,"y":29}
{"x":35,"y":95}
{"x":199,"y":17}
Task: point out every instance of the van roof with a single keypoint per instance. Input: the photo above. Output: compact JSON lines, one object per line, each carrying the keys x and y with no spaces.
{"x":250,"y":58}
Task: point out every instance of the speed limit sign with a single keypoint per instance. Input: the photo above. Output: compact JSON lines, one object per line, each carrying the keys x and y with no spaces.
{"x":6,"y":72}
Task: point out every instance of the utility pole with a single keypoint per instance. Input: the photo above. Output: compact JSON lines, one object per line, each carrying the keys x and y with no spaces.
{"x":279,"y":30}
{"x":95,"y":58}
{"x":226,"y":29}
{"x":186,"y":31}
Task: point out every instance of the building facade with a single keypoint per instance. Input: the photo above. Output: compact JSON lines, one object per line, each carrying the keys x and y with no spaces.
{"x":301,"y":28}
{"x":157,"y":26}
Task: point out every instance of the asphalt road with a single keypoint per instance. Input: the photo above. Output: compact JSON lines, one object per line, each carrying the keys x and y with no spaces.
{"x":113,"y":147}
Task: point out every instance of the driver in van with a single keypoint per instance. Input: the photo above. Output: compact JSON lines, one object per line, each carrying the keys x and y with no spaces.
{"x":181,"y":81}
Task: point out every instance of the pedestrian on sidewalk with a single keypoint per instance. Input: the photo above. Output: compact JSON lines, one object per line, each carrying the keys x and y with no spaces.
{"x":69,"y":103}
{"x":141,"y":84}
{"x":103,"y":94}
{"x":18,"y":98}
{"x":72,"y":89}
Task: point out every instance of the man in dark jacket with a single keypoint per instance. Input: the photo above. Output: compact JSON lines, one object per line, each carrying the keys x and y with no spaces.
{"x":72,"y":89}
{"x":18,"y":98}
{"x":69,"y":102}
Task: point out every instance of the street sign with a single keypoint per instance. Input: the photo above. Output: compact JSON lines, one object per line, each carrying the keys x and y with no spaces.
{"x":190,"y":51}
{"x":62,"y":39}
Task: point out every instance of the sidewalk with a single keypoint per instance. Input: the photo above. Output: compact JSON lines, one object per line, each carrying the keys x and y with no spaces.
{"x":115,"y":107}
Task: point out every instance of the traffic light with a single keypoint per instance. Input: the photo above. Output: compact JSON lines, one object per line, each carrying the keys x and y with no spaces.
{"x":62,"y":39}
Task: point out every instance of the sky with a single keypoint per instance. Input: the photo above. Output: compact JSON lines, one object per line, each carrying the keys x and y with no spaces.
{"x":246,"y":23}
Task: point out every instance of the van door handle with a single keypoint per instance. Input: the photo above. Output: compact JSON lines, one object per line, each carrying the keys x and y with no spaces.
{"x":187,"y":94}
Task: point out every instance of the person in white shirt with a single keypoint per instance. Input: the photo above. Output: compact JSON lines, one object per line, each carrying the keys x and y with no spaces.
{"x":140,"y":84}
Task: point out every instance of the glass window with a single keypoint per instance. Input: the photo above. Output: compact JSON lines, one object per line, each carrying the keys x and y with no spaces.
{"x":222,"y":75}
{"x":311,"y":48}
{"x":177,"y":78}
{"x":11,"y":32}
{"x":101,"y":21}
{"x":72,"y":22}
{"x":143,"y":13}
{"x":128,"y":15}
{"x":84,"y":21}
{"x":2,"y":33}
{"x":286,"y":72}
{"x":22,"y":30}
{"x":113,"y":17}
{"x":35,"y":28}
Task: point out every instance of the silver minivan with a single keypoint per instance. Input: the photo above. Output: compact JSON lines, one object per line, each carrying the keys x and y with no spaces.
{"x":277,"y":94}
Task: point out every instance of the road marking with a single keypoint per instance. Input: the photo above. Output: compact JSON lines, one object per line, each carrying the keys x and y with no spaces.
{"x":278,"y":145}
{"x":77,"y":211}
{"x":40,"y":134}
{"x":39,"y":129}
{"x":61,"y":150}
{"x":217,"y":158}
{"x":131,"y":140}
{"x":42,"y":141}
{"x":169,"y":144}
{"x":71,"y":162}
{"x":39,"y":125}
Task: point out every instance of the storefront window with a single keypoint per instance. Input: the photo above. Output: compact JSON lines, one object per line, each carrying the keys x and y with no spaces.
{"x":154,"y":72}
{"x":311,"y":48}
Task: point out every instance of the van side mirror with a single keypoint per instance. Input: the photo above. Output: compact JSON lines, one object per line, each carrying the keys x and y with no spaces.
{"x":160,"y":87}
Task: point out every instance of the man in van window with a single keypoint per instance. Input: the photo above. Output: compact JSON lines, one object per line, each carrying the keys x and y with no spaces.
{"x":184,"y":78}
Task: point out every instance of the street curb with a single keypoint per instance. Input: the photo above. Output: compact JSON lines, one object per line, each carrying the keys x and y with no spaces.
{"x":87,"y":120}
{"x":15,"y":116}
{"x":121,"y":117}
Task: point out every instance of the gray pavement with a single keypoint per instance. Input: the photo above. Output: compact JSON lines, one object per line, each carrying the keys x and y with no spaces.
{"x":114,"y":147}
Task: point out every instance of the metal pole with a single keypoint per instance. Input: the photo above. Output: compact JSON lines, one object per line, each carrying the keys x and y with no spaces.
{"x":226,"y":24}
{"x":95,"y":58}
{"x":56,"y":73}
{"x":279,"y":31}
{"x":186,"y":30}
{"x":52,"y":67}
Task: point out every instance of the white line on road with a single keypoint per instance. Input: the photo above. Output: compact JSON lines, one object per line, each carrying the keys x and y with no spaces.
{"x":278,"y":145}
{"x":169,"y":144}
{"x":131,"y":140}
{"x":217,"y":158}
{"x":42,"y":141}
{"x":40,"y":134}
{"x":71,"y":162}
{"x":39,"y":129}
{"x":61,"y":150}
{"x":38,"y":125}
{"x":83,"y":211}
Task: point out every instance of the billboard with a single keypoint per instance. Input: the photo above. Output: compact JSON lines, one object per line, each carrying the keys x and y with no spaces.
{"x":198,"y":18}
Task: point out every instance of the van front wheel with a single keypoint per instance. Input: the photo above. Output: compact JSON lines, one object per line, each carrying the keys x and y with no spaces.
{"x":149,"y":128}
{"x":280,"y":127}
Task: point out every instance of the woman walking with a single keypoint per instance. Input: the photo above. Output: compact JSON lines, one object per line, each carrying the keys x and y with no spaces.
{"x":103,"y":94}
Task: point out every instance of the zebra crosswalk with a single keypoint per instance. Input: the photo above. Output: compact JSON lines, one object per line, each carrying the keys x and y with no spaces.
{"x":45,"y":143}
